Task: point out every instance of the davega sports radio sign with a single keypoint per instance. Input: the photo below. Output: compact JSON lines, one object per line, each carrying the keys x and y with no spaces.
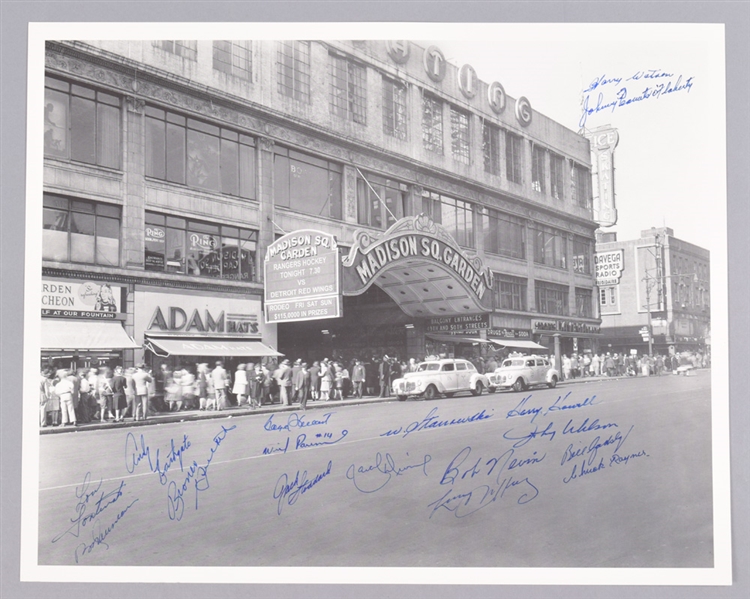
{"x":302,"y":277}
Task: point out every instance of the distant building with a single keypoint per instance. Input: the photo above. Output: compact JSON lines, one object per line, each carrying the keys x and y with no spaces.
{"x":669,"y":275}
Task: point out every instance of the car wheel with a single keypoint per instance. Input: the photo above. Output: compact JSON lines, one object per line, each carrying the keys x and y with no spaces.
{"x":519,"y":385}
{"x":478,"y":389}
{"x":430,"y":392}
{"x":449,"y":394}
{"x":492,"y":389}
{"x":552,"y":383}
{"x":401,"y":397}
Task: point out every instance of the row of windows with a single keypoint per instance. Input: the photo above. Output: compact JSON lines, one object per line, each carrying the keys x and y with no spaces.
{"x":509,"y":293}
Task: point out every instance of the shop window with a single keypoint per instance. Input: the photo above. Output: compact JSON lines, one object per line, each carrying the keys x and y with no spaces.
{"x":380,"y":201}
{"x":456,"y":216}
{"x":584,"y":307}
{"x":199,"y":248}
{"x":307,"y":184}
{"x":557,"y":176}
{"x":504,"y":235}
{"x":80,"y":231}
{"x":551,"y":298}
{"x":199,"y":155}
{"x":538,"y":169}
{"x":348,"y":89}
{"x":581,"y":183}
{"x":509,"y":293}
{"x":233,"y":58}
{"x":293,"y":70}
{"x":491,"y":148}
{"x":582,"y":255}
{"x":432,"y":124}
{"x":394,"y":109}
{"x":460,"y":135}
{"x":514,"y":157}
{"x":81,"y":124}
{"x":550,"y":247}
{"x":186,"y":48}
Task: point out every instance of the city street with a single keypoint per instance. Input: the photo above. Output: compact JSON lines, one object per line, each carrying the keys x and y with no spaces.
{"x":604,"y":473}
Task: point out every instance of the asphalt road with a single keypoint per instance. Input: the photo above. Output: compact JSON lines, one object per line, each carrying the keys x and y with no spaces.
{"x":599,"y":474}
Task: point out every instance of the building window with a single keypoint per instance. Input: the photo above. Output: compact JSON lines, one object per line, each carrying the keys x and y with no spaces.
{"x":80,"y":231}
{"x":185,"y":48}
{"x":81,"y":123}
{"x":557,"y":176}
{"x":514,"y":157}
{"x":550,"y":247}
{"x":196,"y":154}
{"x":538,"y":169}
{"x":491,"y":148}
{"x":582,"y":255}
{"x":504,"y":235}
{"x":307,"y":184}
{"x":581,"y":182}
{"x":509,"y":293}
{"x":394,"y":109}
{"x":380,"y":201}
{"x":584,"y":308}
{"x":348,"y":85}
{"x":551,"y":298}
{"x":460,"y":135}
{"x":199,"y":248}
{"x":456,"y":216}
{"x":293,"y":70}
{"x":432,"y":124}
{"x":233,"y":58}
{"x":609,"y":300}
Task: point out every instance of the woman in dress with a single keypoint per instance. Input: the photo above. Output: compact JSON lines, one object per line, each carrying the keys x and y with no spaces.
{"x":119,"y":400}
{"x":240,"y":384}
{"x":326,"y":381}
{"x":105,"y":394}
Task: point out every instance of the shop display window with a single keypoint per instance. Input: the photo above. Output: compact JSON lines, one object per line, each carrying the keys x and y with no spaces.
{"x":200,"y":249}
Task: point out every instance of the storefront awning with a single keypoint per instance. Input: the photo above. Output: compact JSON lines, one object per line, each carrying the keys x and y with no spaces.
{"x":200,"y":347}
{"x":84,"y":335}
{"x":519,"y":344}
{"x":454,"y":339}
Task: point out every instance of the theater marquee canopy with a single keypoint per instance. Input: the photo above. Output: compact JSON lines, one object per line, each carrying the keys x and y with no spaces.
{"x":421,"y":267}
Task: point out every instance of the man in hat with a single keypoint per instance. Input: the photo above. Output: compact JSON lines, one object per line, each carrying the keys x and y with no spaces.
{"x":220,"y":380}
{"x":141,"y":378}
{"x":301,"y":381}
{"x":295,"y":369}
{"x":285,"y":382}
{"x":384,"y":375}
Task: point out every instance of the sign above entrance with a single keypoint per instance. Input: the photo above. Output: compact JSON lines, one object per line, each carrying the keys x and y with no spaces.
{"x":302,"y":277}
{"x":421,"y":267}
{"x":73,"y":299}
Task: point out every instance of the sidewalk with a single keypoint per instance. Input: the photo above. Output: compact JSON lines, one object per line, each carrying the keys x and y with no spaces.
{"x":192,"y":415}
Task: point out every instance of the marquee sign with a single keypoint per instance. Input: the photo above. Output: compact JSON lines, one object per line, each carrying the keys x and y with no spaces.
{"x":302,"y":277}
{"x":417,"y":244}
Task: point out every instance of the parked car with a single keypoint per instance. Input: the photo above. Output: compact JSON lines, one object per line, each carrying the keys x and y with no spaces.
{"x":440,"y":377}
{"x":521,"y":372}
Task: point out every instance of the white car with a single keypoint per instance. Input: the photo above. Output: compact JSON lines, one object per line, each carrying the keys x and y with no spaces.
{"x":440,"y":377}
{"x":522,"y":372}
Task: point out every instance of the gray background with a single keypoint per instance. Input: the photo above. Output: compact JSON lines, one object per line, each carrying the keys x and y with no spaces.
{"x":14,"y":16}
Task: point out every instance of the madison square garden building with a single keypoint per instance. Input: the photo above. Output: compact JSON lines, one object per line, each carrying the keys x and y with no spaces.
{"x":352,"y":198}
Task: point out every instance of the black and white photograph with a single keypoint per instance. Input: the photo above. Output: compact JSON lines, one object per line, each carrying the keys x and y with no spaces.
{"x":448,"y":305}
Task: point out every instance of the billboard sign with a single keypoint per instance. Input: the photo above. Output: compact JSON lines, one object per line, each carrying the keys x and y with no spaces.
{"x":603,"y":143}
{"x":609,"y":267}
{"x":73,"y":299}
{"x":301,"y":277}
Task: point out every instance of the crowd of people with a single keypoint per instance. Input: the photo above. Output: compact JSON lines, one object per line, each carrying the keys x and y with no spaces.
{"x":113,"y":394}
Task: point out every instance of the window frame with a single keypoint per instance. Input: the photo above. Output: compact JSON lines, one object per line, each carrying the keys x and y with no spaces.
{"x":348,"y":89}
{"x":432,"y":124}
{"x":460,"y":135}
{"x":239,"y":51}
{"x":293,"y":72}
{"x":538,"y":168}
{"x":491,"y":148}
{"x":547,"y":293}
{"x":395,"y":108}
{"x":510,"y":293}
{"x":514,"y":161}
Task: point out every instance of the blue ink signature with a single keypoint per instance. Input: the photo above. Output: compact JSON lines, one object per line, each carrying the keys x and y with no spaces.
{"x":135,"y":454}
{"x":485,"y":493}
{"x":196,"y":474}
{"x":521,"y":410}
{"x":617,"y":459}
{"x":302,"y":442}
{"x":279,"y":448}
{"x":585,"y":427}
{"x":291,"y":492}
{"x":98,"y":535}
{"x":296,"y":421}
{"x":383,"y":470}
{"x":431,"y":421}
{"x":623,"y":97}
{"x":590,"y":451}
{"x":584,"y":471}
{"x":90,"y":499}
{"x":535,"y":434}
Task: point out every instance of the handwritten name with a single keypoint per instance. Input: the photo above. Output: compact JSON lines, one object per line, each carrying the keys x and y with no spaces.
{"x":289,"y":492}
{"x":197,"y":475}
{"x":373,"y":477}
{"x":295,"y":421}
{"x":99,"y":534}
{"x":559,"y":405}
{"x":432,"y":421}
{"x":135,"y":453}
